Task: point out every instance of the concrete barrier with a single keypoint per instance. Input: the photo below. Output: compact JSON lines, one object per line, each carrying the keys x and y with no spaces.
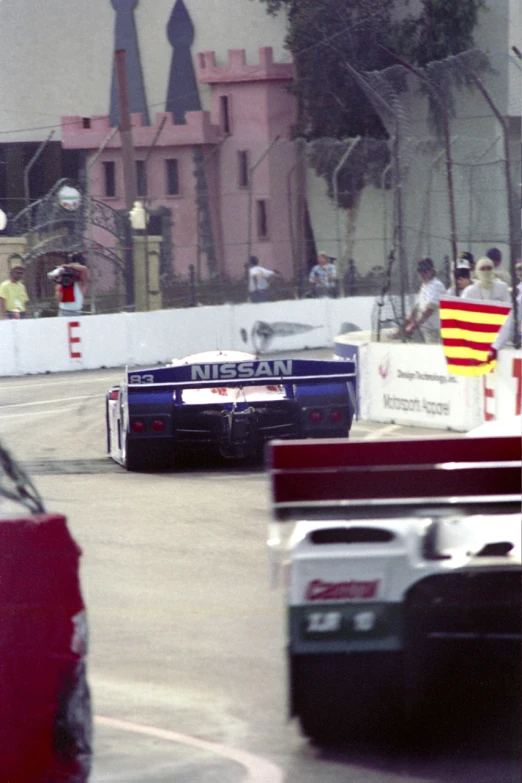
{"x":31,"y":346}
{"x":410,"y":385}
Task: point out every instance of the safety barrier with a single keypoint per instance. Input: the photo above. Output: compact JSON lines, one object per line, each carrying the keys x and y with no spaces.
{"x":410,"y":385}
{"x":30,"y":346}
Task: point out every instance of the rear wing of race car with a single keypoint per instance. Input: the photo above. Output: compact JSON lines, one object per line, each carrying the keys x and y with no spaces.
{"x":244,"y":373}
{"x":326,"y":479}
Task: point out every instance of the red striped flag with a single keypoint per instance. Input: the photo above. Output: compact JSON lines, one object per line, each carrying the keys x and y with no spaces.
{"x":468,"y":327}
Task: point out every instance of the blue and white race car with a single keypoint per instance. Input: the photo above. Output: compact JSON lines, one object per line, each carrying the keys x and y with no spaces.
{"x":227,"y":402}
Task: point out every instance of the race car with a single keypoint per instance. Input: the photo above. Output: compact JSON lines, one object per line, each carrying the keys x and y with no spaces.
{"x":45,"y":704}
{"x":402,"y":565}
{"x":225,"y":402}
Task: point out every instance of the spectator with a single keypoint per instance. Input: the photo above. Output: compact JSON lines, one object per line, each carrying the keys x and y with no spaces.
{"x":486,"y":288}
{"x":465,"y":255}
{"x":13,"y":294}
{"x":71,"y":282}
{"x":500,"y":273}
{"x":506,"y":331}
{"x":518,"y":272}
{"x":323,"y":276}
{"x":462,"y":277}
{"x":258,"y":280}
{"x":423,"y":323}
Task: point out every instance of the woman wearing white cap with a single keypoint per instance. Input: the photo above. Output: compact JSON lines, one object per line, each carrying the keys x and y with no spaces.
{"x":487,"y":288}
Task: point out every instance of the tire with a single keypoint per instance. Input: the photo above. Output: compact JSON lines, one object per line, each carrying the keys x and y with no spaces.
{"x":316,"y":703}
{"x":350,"y":697}
{"x":143,"y":456}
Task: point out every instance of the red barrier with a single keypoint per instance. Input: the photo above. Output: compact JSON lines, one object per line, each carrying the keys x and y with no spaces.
{"x":45,"y":720}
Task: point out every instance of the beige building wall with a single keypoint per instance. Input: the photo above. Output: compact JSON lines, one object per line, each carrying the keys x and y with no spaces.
{"x":56,"y":55}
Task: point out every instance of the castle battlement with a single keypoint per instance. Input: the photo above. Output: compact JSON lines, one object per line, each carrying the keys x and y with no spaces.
{"x":237,"y":69}
{"x":89,"y":133}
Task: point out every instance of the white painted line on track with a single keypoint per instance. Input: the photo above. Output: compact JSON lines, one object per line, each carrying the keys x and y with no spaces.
{"x":9,"y":416}
{"x":49,"y":402}
{"x":259,"y":770}
{"x":71,"y":381}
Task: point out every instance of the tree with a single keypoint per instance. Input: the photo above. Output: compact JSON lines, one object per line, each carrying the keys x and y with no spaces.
{"x":324,"y":35}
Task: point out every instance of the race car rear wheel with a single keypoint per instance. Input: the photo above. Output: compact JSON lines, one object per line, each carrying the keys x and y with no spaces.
{"x":343,"y":697}
{"x":142,"y":455}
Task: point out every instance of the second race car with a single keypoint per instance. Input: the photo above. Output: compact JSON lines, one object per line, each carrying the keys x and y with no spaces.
{"x":227,"y":402}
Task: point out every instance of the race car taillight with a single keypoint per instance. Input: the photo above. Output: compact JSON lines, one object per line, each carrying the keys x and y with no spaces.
{"x":158,"y":425}
{"x":336,"y":417}
{"x":316,"y":417}
{"x":137,"y":426}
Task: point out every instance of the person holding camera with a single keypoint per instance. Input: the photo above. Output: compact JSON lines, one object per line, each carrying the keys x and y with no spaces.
{"x":13,"y":294}
{"x":71,"y":281}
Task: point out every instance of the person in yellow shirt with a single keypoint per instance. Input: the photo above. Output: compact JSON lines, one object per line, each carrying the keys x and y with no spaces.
{"x":13,"y":294}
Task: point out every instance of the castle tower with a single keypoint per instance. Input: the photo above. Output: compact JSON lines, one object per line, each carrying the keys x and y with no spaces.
{"x":126,"y":37}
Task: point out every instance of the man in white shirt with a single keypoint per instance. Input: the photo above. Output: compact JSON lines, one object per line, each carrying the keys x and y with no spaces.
{"x":423,"y":323}
{"x":258,"y":277}
{"x":323,"y":276}
{"x":487,"y":288}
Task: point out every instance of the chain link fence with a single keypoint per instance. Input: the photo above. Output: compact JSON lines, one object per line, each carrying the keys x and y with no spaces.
{"x":455,"y":161}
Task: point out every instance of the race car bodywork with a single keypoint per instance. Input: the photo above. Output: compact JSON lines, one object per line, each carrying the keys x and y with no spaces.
{"x":228,"y":402}
{"x":403,"y":574}
{"x":45,"y":705}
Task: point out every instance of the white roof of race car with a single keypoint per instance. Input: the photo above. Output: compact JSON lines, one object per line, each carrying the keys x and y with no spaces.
{"x":205,"y":357}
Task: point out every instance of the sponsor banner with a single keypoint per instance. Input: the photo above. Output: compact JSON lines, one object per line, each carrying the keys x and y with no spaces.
{"x":411,"y":385}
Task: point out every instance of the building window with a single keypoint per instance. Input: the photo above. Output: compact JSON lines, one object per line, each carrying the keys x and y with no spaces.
{"x":141,"y":178}
{"x":242,"y":165}
{"x":262,"y":219}
{"x":224,"y":114}
{"x":172,"y":172}
{"x":109,"y":178}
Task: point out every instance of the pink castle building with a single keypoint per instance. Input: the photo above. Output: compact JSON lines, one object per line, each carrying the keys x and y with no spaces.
{"x":223,"y":174}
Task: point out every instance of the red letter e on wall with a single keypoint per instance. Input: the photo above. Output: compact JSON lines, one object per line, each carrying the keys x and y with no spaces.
{"x":73,"y":340}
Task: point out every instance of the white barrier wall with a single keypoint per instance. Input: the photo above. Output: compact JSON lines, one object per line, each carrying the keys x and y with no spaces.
{"x":93,"y":341}
{"x":410,"y":385}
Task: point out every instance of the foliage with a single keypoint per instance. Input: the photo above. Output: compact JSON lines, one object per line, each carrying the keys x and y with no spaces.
{"x":327,"y":36}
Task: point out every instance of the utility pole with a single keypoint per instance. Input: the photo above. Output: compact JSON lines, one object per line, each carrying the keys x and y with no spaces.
{"x":129,"y":170}
{"x":127,"y":147}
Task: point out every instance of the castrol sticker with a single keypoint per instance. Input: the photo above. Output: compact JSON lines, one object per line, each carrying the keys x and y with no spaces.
{"x":354,"y":590}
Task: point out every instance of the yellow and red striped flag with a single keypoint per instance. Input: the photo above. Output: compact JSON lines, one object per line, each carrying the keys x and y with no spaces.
{"x":468,"y":327}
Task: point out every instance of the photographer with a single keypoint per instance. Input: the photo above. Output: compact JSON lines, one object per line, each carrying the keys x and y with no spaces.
{"x":71,"y":281}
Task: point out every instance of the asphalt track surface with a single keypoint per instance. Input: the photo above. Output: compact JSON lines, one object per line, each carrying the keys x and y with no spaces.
{"x":187,"y":640}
